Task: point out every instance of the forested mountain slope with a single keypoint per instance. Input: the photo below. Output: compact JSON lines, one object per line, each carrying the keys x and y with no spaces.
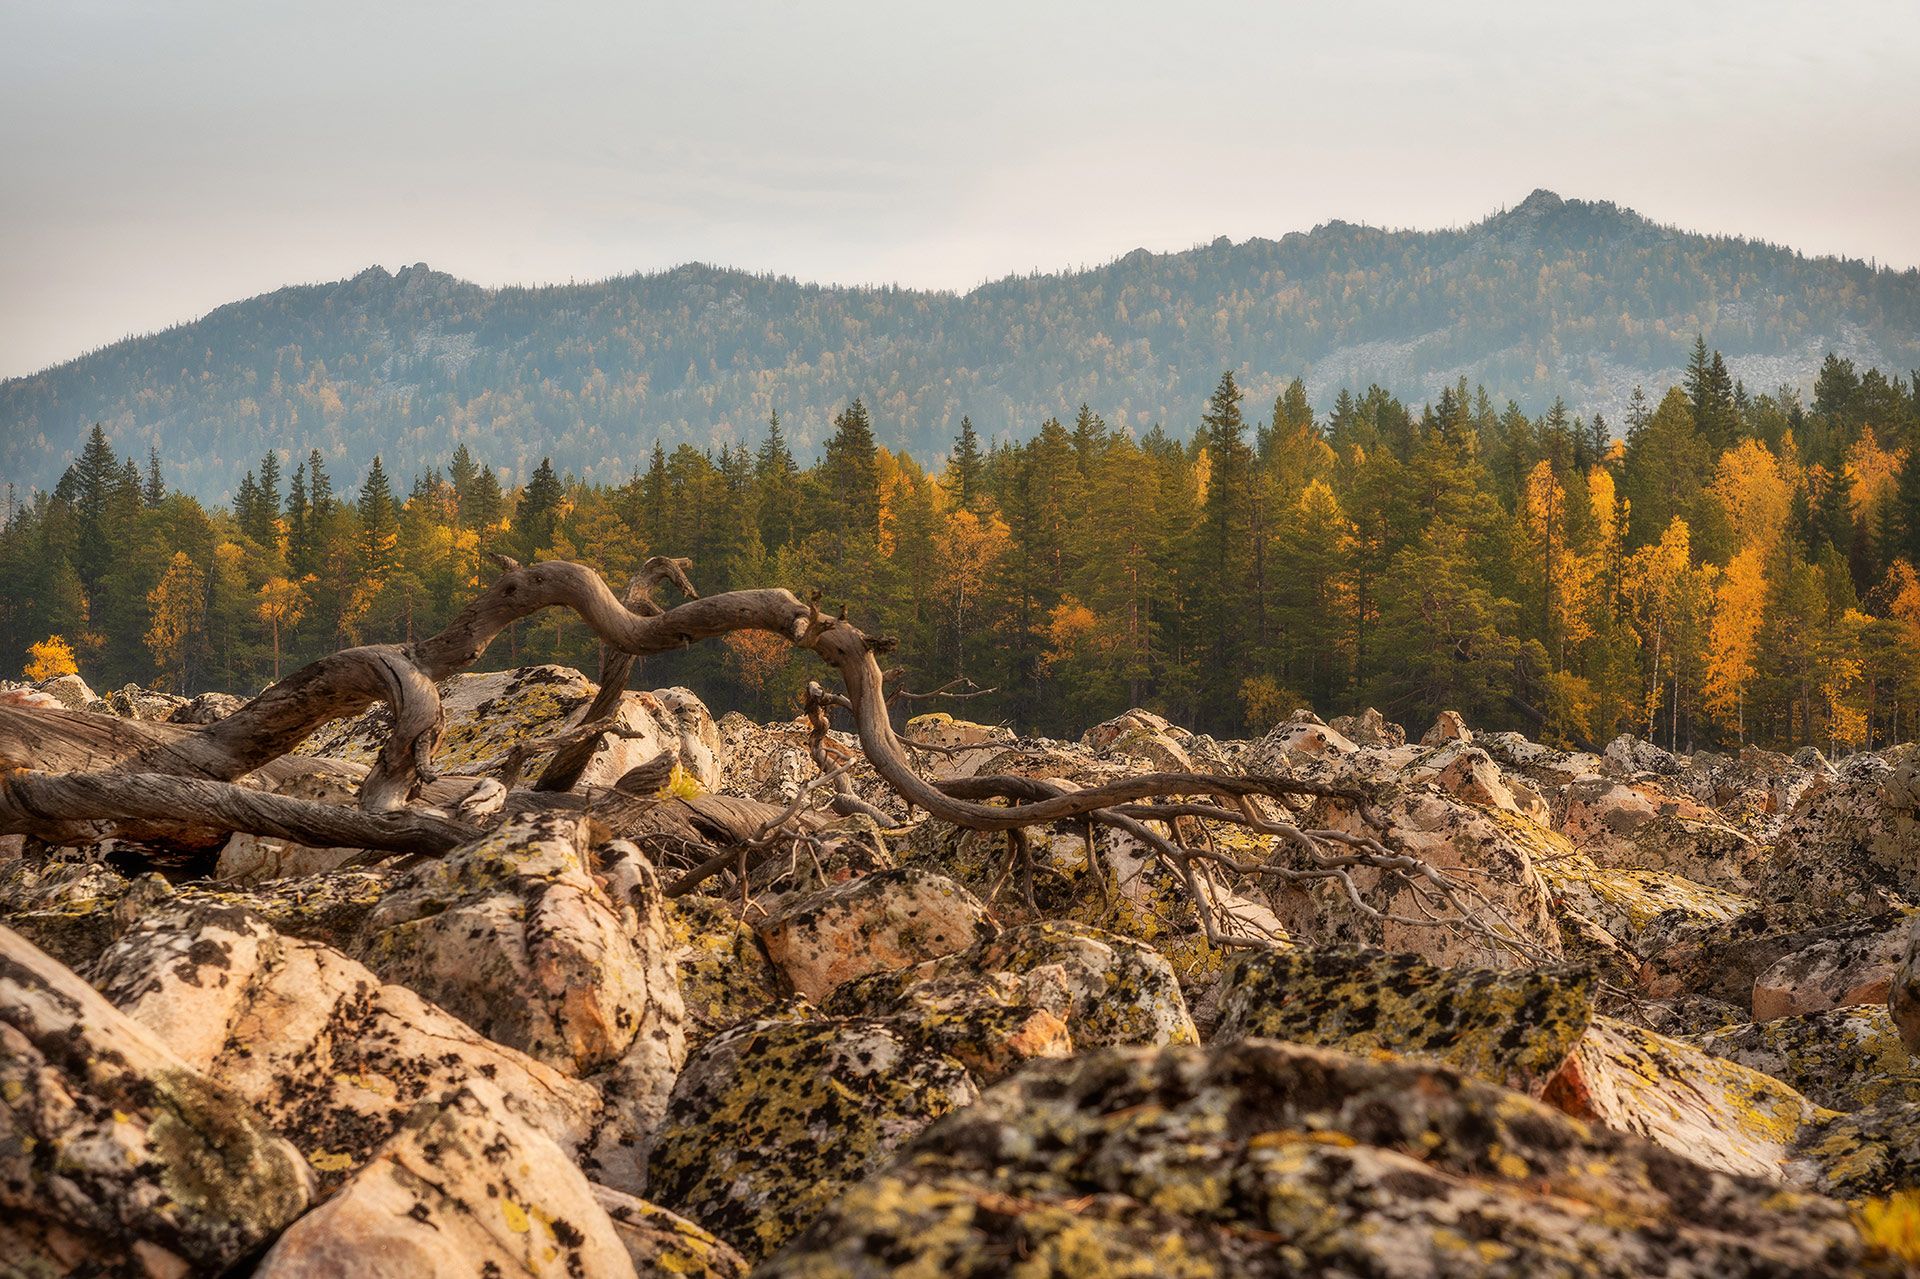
{"x":1550,"y":299}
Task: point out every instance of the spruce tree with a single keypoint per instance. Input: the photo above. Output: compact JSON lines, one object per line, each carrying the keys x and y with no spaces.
{"x":777,"y":478}
{"x":379,"y":523}
{"x":1900,"y":513}
{"x":539,"y":509}
{"x":319,"y":487}
{"x":94,"y":474}
{"x":300,"y":557}
{"x":463,"y":471}
{"x":269,"y":498}
{"x":852,"y":475}
{"x":246,"y":506}
{"x":965,"y":468}
{"x":155,"y":489}
{"x":1223,"y":568}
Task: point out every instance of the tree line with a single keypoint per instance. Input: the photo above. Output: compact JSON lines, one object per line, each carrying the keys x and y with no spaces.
{"x":1728,"y":568}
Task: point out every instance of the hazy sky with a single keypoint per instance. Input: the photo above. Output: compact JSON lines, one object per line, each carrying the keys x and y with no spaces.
{"x":160,"y":157}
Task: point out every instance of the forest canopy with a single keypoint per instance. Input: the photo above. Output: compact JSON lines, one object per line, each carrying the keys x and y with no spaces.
{"x":1724,"y":568}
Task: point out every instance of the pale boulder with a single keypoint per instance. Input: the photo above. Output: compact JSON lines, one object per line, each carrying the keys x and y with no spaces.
{"x":464,"y":1189}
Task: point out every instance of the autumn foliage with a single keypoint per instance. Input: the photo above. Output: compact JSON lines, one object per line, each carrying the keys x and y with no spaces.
{"x":1717,"y":568}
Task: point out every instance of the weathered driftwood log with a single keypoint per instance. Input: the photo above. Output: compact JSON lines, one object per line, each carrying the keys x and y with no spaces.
{"x":66,"y":807}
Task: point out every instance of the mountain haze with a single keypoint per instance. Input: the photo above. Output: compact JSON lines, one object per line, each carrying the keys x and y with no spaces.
{"x":1568,"y":298}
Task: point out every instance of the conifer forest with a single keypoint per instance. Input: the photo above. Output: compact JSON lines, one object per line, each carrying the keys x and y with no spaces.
{"x":1721,"y":566}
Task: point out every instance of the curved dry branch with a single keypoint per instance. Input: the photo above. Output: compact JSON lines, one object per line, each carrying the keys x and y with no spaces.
{"x":404,"y":676}
{"x":616,"y":668}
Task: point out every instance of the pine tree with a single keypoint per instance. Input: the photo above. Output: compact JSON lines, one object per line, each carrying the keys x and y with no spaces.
{"x":1667,"y":464}
{"x":379,"y":524}
{"x":155,"y":488}
{"x":852,"y":476}
{"x":1900,"y":514}
{"x":965,"y":468}
{"x":1089,"y":439}
{"x":1836,"y":391}
{"x":1224,"y":560}
{"x":1639,"y":413}
{"x":463,"y":471}
{"x":319,"y":487}
{"x":657,"y":503}
{"x":95,"y":475}
{"x":266,"y":530}
{"x":538,"y":511}
{"x":247,"y":504}
{"x":778,"y":480}
{"x":300,"y":531}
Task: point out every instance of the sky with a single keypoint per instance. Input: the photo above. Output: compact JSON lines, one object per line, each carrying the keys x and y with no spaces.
{"x":161,"y":157}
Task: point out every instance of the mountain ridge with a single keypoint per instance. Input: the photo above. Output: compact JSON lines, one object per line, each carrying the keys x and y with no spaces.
{"x":1551,"y":297}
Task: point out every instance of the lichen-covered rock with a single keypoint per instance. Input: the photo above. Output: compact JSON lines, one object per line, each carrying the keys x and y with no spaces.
{"x":890,"y":919}
{"x":1723,"y":961}
{"x":664,"y":1243}
{"x":1850,"y":965}
{"x":255,"y":859}
{"x":206,"y":708}
{"x":1852,"y":847}
{"x":69,"y":690}
{"x":991,"y":1023}
{"x":1035,"y":990}
{"x":1120,"y":991}
{"x":463,"y":1189}
{"x":1300,"y":738}
{"x":1264,"y":1159}
{"x":1512,"y":1028}
{"x":133,"y":702}
{"x":1490,"y":849}
{"x":725,"y":975}
{"x":323,"y":1049}
{"x":112,"y":1146}
{"x":1675,"y":1094}
{"x":489,"y":713}
{"x":1627,"y":903}
{"x":512,"y":935}
{"x":1857,"y":1154}
{"x":1547,"y":767}
{"x":73,"y":909}
{"x":771,"y":1120}
{"x":1148,"y":740}
{"x":1640,"y":825}
{"x":1629,"y":755}
{"x":1584,"y":942}
{"x":331,"y":907}
{"x":1840,"y":1058}
{"x":958,"y":747}
{"x":1451,"y":726}
{"x":1370,"y":728}
{"x":1468,"y":773}
{"x":1903,"y":992}
{"x":1753,"y":790}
